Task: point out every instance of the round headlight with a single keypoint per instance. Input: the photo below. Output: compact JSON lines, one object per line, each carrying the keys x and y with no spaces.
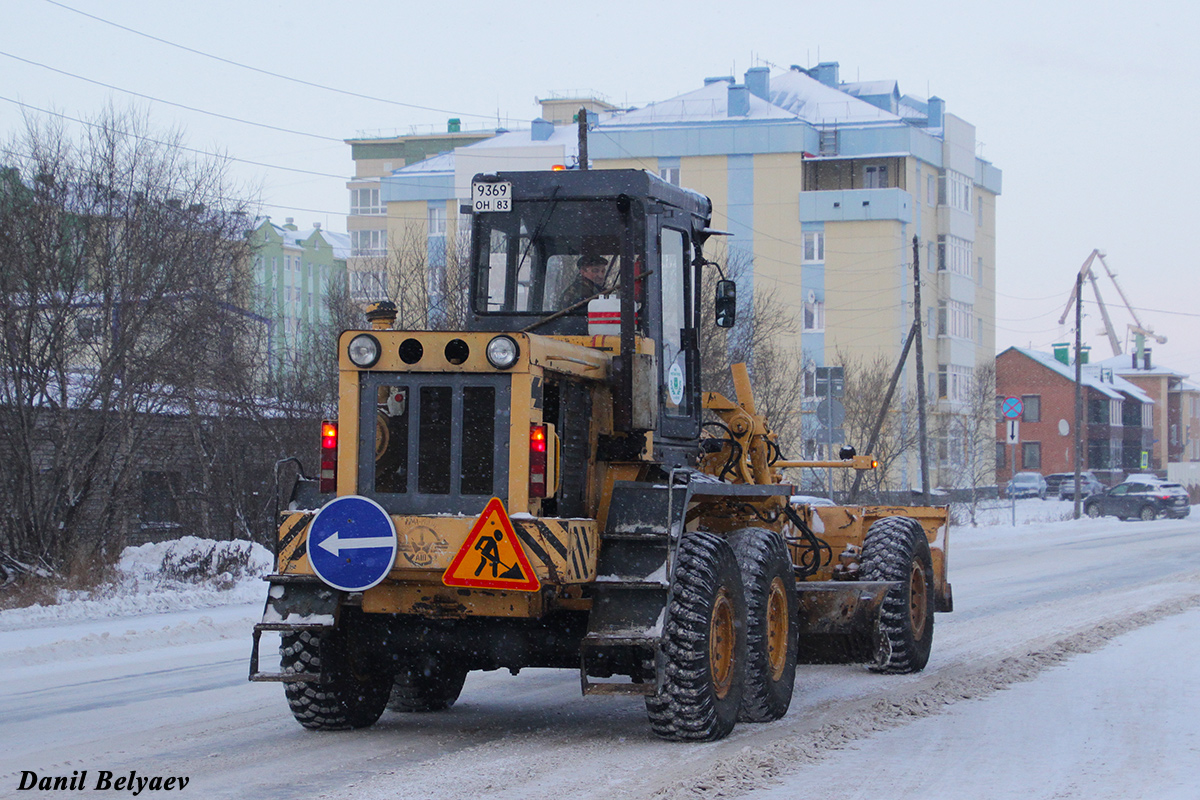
{"x":364,"y":350}
{"x":502,"y":352}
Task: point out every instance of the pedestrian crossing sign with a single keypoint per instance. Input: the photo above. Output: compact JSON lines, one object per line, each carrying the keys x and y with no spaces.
{"x":492,"y":556}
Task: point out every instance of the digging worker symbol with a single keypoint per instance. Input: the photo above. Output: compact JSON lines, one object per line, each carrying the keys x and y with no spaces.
{"x":489,"y":556}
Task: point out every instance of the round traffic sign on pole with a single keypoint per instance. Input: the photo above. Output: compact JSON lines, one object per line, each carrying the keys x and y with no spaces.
{"x":1011,"y":407}
{"x":352,"y":543}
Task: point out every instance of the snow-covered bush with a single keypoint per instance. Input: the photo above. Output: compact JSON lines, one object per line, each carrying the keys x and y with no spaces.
{"x":192,"y":560}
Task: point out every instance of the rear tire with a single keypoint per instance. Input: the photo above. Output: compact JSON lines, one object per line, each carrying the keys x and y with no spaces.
{"x":771,"y":623}
{"x":349,"y":699}
{"x":703,"y":644}
{"x":426,"y":684}
{"x":895,"y":549}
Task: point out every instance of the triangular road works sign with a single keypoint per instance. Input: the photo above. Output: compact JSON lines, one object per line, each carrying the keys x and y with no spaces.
{"x":492,"y":556}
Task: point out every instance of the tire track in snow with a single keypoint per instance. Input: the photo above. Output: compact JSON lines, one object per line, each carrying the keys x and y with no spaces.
{"x":759,"y":766}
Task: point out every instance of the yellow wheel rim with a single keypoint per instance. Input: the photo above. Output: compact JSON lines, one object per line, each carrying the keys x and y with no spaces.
{"x":721,"y":643}
{"x":777,"y":628}
{"x":918,"y":600}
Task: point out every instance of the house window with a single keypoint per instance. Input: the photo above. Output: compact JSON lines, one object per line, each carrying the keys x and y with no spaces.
{"x":1001,"y":461}
{"x":669,"y":174}
{"x":875,"y":177}
{"x":931,"y":194}
{"x":979,"y":331}
{"x":365,"y":201}
{"x":814,"y":247}
{"x":1031,"y":455}
{"x":979,"y":210}
{"x":814,"y":313}
{"x":953,"y":383}
{"x":368,"y":243}
{"x":437,"y":220}
{"x":1033,"y":407}
{"x":932,"y":259}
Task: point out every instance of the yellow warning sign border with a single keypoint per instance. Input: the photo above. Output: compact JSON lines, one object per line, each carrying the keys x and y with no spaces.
{"x":496,"y":507}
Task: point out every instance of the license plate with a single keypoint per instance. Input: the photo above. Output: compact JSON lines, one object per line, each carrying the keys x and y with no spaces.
{"x":491,"y":196}
{"x":1181,"y":501}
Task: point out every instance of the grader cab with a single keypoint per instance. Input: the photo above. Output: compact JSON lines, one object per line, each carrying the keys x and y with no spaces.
{"x":550,"y":487}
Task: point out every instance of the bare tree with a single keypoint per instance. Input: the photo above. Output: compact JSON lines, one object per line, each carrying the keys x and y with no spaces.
{"x":428,"y":278}
{"x":124,"y":271}
{"x":866,"y":382}
{"x":760,"y":340}
{"x":969,"y":437}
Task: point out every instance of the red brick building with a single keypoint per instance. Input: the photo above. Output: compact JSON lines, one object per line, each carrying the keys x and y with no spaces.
{"x":1117,"y":424}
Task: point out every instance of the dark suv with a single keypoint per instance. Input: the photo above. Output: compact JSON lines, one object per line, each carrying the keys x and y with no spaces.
{"x":1140,"y":499}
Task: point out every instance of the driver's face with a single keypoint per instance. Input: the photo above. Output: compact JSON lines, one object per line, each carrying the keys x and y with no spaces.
{"x":594,"y":272}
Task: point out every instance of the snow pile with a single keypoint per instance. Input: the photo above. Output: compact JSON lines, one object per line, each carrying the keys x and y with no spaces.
{"x":187,"y":573}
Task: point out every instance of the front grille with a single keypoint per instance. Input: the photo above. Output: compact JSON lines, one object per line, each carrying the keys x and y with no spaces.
{"x":433,"y":444}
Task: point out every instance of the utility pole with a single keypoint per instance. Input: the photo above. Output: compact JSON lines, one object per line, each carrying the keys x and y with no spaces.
{"x":583,"y":133}
{"x":920,"y":371}
{"x":1078,"y":388}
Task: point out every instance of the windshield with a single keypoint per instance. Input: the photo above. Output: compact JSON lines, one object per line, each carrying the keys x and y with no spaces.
{"x":546,"y":256}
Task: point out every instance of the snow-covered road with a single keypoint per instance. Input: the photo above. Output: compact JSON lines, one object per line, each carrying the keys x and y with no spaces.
{"x":1093,"y":625}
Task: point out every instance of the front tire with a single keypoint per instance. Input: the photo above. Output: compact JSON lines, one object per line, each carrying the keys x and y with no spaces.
{"x":771,"y":623}
{"x":349,"y":698}
{"x":1148,"y":514}
{"x":895,"y":549}
{"x":703,"y":644}
{"x":1092,"y":510}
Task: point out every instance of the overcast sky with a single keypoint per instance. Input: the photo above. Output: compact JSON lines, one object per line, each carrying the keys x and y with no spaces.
{"x":1085,"y":107}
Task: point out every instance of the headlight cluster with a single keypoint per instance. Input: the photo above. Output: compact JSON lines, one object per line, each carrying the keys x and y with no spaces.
{"x":364,"y":350}
{"x":502,"y":352}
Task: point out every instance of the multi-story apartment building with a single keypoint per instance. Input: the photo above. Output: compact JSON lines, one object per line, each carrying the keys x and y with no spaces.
{"x":293,"y":271}
{"x":824,"y":185}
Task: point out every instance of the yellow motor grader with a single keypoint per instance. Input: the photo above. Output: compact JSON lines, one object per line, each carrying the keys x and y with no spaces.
{"x":550,"y":487}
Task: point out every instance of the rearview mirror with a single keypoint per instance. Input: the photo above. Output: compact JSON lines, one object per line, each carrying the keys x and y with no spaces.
{"x":726,"y":303}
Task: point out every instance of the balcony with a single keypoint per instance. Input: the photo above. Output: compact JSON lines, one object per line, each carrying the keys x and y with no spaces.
{"x":856,"y":205}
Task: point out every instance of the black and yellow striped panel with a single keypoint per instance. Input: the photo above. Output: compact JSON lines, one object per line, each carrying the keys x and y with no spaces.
{"x":293,"y":541}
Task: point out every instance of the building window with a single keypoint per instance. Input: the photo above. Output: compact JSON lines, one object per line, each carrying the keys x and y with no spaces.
{"x":954,"y":255}
{"x":979,"y":210}
{"x":366,"y":202}
{"x":979,"y":335}
{"x":956,"y":190}
{"x":1031,"y":455}
{"x":1001,"y":460}
{"x":875,"y":177}
{"x":932,"y":260}
{"x":368,"y":285}
{"x":814,"y":313}
{"x":368,"y":243}
{"x":814,"y":247}
{"x":437,"y":220}
{"x":931,"y":194}
{"x":669,"y":174}
{"x":1033,"y":407}
{"x":953,"y":383}
{"x":954,"y":319}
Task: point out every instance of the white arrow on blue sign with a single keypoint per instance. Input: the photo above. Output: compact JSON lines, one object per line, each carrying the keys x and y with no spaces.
{"x":352,"y":543}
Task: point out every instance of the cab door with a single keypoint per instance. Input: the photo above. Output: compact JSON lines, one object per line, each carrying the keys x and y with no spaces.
{"x":679,"y":363}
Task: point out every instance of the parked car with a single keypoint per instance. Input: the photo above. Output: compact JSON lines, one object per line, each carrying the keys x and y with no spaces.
{"x":1089,"y":485}
{"x":1140,"y":499}
{"x":1026,"y":484}
{"x":1055,"y":480}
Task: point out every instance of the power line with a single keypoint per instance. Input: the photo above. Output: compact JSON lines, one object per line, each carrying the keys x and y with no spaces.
{"x":170,"y":144}
{"x":170,"y":103}
{"x":231,"y":62}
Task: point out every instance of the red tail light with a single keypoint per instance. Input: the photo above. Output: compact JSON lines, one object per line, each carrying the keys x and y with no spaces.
{"x":537,"y":460}
{"x":329,"y":436}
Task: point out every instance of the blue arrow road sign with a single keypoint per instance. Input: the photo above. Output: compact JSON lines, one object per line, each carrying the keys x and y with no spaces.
{"x":352,"y":543}
{"x":1012,"y":407}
